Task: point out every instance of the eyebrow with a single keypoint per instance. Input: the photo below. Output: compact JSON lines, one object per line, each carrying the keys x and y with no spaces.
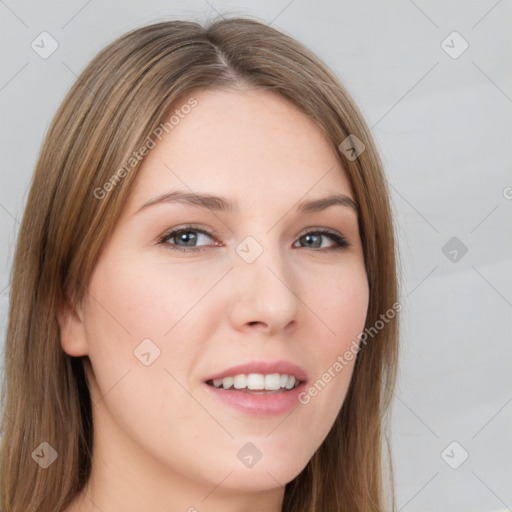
{"x":223,"y":204}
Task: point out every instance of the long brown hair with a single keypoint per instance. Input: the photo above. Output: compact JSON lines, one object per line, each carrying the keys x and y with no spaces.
{"x":125,"y":93}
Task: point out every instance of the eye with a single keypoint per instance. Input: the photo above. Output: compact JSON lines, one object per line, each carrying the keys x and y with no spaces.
{"x":314,"y":239}
{"x":188,"y":236}
{"x":186,"y":239}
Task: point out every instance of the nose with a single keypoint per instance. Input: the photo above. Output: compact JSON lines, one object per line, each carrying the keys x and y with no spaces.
{"x":266,"y":294}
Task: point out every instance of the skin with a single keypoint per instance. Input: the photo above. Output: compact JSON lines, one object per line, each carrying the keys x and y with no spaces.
{"x":161,"y":441}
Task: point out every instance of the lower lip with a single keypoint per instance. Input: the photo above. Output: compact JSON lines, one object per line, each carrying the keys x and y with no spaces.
{"x":259,"y":403}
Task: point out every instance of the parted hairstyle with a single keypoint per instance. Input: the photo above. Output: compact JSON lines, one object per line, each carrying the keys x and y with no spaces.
{"x":126,"y":92}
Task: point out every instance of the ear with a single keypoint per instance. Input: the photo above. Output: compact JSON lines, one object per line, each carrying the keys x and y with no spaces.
{"x":72,"y":330}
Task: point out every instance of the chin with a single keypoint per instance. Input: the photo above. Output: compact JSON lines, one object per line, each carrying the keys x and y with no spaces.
{"x":263,"y":475}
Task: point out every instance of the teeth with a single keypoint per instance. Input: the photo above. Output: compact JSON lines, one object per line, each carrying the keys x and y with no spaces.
{"x":240,"y":381}
{"x":291,"y":382}
{"x":257,"y":382}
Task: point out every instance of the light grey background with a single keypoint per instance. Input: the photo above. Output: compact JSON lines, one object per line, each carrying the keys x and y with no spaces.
{"x":443,"y":126}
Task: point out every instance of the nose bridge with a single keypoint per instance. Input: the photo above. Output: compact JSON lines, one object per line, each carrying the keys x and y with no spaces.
{"x":265,"y":284}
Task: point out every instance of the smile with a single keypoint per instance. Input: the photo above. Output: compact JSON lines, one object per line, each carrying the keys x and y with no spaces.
{"x":257,"y":382}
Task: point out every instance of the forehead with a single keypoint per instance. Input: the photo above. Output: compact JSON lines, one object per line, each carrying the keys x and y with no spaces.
{"x":249,"y":143}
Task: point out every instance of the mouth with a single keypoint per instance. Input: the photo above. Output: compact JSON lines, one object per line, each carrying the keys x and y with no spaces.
{"x":259,"y":388}
{"x":257,"y":383}
{"x":259,"y":402}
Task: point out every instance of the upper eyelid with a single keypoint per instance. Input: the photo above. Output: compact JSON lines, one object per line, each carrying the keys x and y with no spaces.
{"x":189,"y":228}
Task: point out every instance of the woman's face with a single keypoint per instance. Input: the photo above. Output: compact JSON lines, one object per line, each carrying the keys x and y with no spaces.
{"x":166,"y":312}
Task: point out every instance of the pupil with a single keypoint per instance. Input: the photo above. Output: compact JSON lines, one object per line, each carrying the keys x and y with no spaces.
{"x":310,"y":238}
{"x":187,"y":237}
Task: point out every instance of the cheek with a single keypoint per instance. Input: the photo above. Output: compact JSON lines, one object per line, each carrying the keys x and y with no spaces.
{"x":348,"y":312}
{"x":343,"y":303}
{"x":147,"y":328}
{"x":340,"y":302}
{"x":137,"y":300}
{"x":149,"y":402}
{"x":352,"y":303}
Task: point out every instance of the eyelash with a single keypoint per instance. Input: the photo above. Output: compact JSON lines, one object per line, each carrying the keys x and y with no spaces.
{"x":340,"y":241}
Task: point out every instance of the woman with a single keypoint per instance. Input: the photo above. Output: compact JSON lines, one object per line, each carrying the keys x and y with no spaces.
{"x":203,"y":310}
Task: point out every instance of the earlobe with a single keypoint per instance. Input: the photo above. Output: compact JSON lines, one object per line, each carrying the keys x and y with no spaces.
{"x":72,"y":331}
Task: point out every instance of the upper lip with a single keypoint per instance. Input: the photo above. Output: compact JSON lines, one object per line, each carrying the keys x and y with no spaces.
{"x":264,"y":367}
